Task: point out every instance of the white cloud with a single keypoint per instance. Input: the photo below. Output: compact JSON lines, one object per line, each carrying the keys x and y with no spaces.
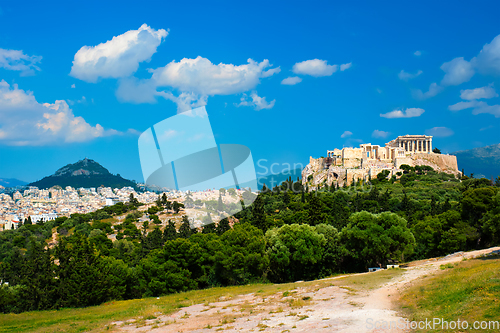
{"x":16,"y":60}
{"x":119,"y":57}
{"x":291,"y":80}
{"x":488,"y":59}
{"x":195,"y":80}
{"x":343,"y":67}
{"x":380,"y":134}
{"x":483,"y":107}
{"x":185,"y":101}
{"x":478,"y":107}
{"x":478,"y":93}
{"x":314,"y":67}
{"x":457,"y":71}
{"x":463,"y":105}
{"x":418,"y":53}
{"x":434,"y":89}
{"x":271,"y":72}
{"x":25,"y":122}
{"x":346,"y":134}
{"x":83,"y":100}
{"x":188,"y":82}
{"x":73,"y":86}
{"x":439,"y":132}
{"x":405,"y":76}
{"x":408,"y":113}
{"x":202,"y":77}
{"x":257,"y":102}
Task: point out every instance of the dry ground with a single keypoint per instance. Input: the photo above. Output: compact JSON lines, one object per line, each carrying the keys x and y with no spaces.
{"x":338,"y":304}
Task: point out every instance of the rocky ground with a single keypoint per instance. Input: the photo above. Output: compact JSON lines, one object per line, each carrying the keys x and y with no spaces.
{"x":317,"y":307}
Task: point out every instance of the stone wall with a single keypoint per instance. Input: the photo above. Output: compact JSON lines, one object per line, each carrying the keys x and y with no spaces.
{"x":351,"y":170}
{"x":352,"y":153}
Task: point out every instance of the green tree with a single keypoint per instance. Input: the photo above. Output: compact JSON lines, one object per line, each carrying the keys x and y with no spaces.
{"x":170,"y":232}
{"x":223,"y":226}
{"x":185,"y":229}
{"x":83,"y":275}
{"x":155,"y":239}
{"x":374,"y":239}
{"x":315,"y":210}
{"x":209,"y":228}
{"x":220,"y":205}
{"x":133,"y":200}
{"x":38,"y":290}
{"x":294,"y":251}
{"x":491,"y":222}
{"x":242,"y":258}
{"x":176,"y":206}
{"x":258,"y":214}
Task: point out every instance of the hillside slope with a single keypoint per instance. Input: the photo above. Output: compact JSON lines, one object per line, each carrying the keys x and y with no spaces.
{"x":483,"y":161}
{"x":85,"y":173}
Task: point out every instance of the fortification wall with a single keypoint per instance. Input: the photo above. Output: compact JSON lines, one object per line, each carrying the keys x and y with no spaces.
{"x":348,"y":153}
{"x":446,"y":163}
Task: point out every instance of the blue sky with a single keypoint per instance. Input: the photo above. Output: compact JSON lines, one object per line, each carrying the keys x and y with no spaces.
{"x":364,"y":72}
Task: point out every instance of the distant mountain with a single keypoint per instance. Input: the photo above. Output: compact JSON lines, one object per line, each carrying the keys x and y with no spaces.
{"x":85,"y":173}
{"x":484,"y":161}
{"x":11,"y":182}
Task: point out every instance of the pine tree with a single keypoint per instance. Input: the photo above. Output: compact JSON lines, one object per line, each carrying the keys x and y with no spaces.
{"x":315,"y":210}
{"x":220,"y":204}
{"x":433,"y":206}
{"x":170,"y":232}
{"x":83,"y":275}
{"x":155,"y":239}
{"x":258,"y":214}
{"x":176,"y":207}
{"x":223,"y":226}
{"x":286,"y":198}
{"x":28,"y":221}
{"x":209,"y":228}
{"x":39,"y":291}
{"x":446,"y":206}
{"x":185,"y":229}
{"x":133,"y":200}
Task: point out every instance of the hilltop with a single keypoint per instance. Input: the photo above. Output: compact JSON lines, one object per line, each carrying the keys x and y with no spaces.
{"x":84,"y":173}
{"x":482,"y":161}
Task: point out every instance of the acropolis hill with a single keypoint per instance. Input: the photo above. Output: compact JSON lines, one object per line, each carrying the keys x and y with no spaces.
{"x":367,"y":161}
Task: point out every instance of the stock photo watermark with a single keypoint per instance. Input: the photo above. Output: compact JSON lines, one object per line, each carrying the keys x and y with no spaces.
{"x":431,"y":324}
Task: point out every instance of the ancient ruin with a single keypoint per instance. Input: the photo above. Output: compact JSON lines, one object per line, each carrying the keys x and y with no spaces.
{"x":351,"y":164}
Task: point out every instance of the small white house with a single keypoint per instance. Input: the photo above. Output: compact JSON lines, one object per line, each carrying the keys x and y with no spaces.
{"x":374,"y":269}
{"x":110,"y":201}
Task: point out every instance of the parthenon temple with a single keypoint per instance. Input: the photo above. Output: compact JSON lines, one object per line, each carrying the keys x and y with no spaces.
{"x":413,"y":143}
{"x":395,"y":152}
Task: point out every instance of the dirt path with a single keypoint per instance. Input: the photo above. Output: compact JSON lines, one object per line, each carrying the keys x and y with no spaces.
{"x":317,"y":308}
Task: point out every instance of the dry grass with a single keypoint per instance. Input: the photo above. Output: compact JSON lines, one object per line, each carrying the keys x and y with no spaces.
{"x":99,"y":318}
{"x":469,"y":290}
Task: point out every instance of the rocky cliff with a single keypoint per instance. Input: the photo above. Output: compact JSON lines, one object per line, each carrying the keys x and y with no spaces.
{"x":318,"y":172}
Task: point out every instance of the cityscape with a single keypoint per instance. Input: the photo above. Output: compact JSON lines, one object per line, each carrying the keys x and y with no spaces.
{"x":264,"y":166}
